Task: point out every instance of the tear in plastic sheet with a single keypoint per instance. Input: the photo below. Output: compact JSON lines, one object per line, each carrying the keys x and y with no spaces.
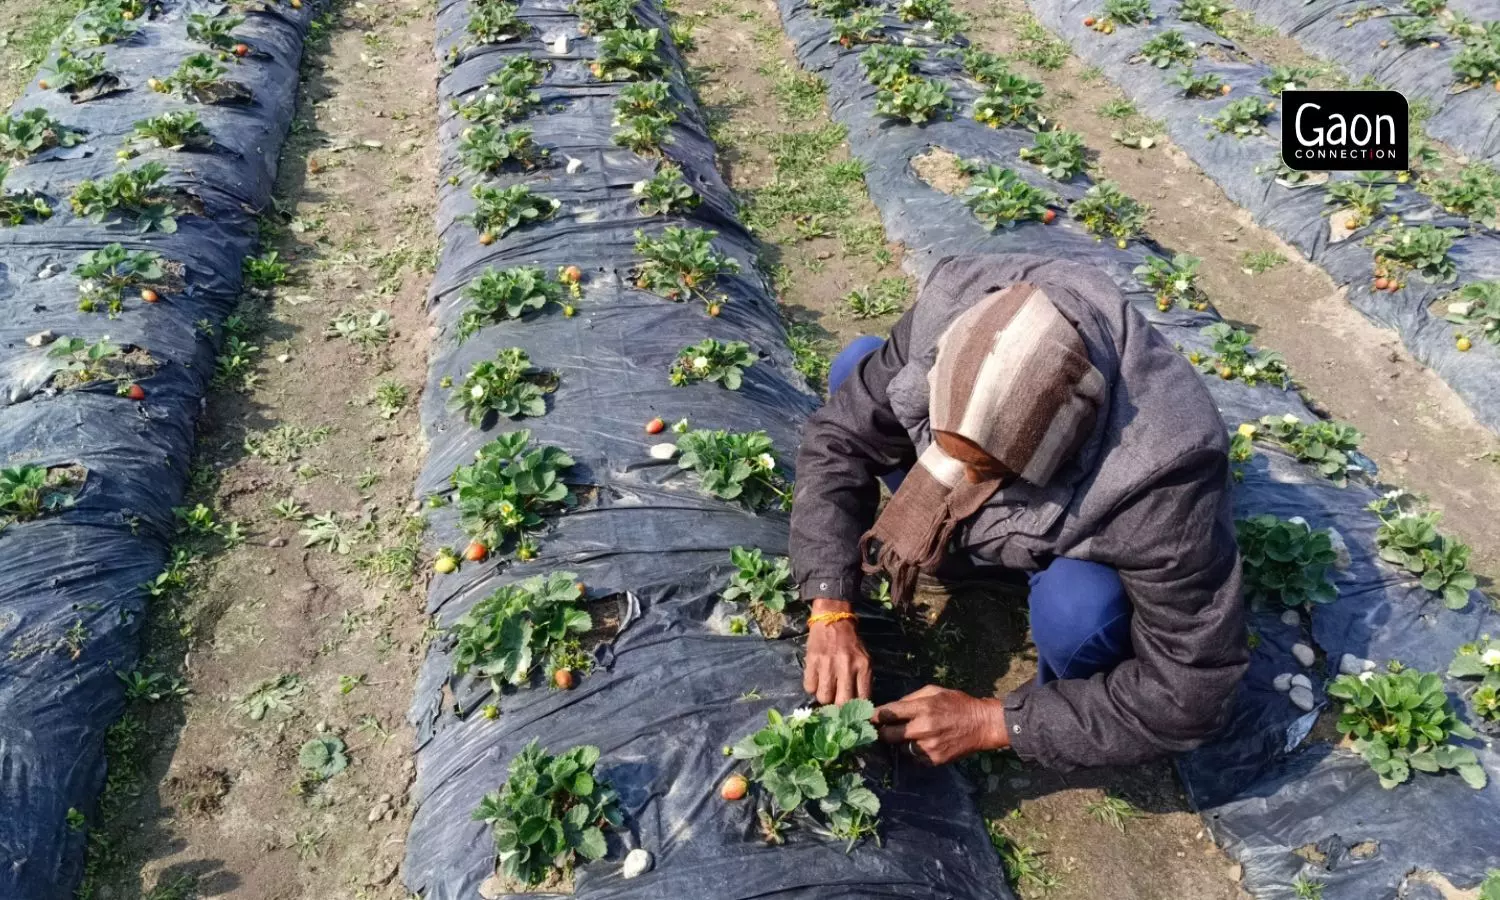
{"x":70,"y":582}
{"x":1463,"y":119}
{"x":671,"y":690}
{"x":1246,"y":171}
{"x":1264,"y":786}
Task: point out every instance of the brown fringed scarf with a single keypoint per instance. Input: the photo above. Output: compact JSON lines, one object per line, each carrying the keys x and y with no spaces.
{"x":1013,"y":390}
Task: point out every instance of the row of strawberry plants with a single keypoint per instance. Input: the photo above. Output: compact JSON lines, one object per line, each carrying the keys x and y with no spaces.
{"x":1417,"y":249}
{"x":1028,"y":191}
{"x":1442,"y":53}
{"x":603,"y":333}
{"x":130,"y":171}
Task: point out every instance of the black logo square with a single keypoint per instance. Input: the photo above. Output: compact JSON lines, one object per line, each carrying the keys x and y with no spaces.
{"x":1344,"y":131}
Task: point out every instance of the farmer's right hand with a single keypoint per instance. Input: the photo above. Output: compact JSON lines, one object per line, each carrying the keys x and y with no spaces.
{"x":837,"y":668}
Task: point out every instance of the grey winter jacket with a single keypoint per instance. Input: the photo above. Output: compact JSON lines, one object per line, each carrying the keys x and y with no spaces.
{"x":1148,"y":496}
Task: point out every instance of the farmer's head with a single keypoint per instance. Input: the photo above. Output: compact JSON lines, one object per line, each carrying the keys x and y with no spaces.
{"x":1012,"y":393}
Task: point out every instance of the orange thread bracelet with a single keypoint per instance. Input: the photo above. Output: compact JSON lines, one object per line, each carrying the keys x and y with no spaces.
{"x":829,"y":618}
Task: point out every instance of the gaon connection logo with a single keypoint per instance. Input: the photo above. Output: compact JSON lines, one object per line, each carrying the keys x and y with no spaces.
{"x":1345,"y":131}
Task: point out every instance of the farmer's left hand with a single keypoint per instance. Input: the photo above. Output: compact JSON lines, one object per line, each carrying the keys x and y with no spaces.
{"x":938,"y":725}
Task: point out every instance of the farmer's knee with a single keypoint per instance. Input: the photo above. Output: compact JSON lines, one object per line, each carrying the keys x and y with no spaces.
{"x":1080,"y":619}
{"x":849,"y":359}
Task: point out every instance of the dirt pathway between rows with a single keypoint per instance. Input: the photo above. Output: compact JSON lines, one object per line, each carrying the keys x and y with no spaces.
{"x":311,"y":625}
{"x":27,"y":29}
{"x":1056,"y":834}
{"x":1416,"y":429}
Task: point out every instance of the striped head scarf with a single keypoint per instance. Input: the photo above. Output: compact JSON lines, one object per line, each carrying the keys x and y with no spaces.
{"x":1011,"y":395}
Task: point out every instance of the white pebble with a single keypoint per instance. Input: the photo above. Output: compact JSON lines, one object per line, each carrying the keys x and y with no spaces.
{"x":665,"y":450}
{"x":1304,"y":654}
{"x":1301,"y":681}
{"x":1282,"y":682}
{"x":1302,"y":698}
{"x":1342,"y":559}
{"x":1291,"y":618}
{"x":637,"y":862}
{"x":574,"y":165}
{"x":559,"y":47}
{"x":1349,"y":664}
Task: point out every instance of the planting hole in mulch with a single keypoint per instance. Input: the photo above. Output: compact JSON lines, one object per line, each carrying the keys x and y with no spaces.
{"x":940,"y":169}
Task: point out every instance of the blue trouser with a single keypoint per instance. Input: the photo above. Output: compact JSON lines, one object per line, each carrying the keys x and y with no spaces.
{"x":1080,"y":616}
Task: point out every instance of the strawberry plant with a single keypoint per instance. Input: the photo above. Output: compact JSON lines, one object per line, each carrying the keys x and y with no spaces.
{"x":1245,"y":116}
{"x":24,"y":135}
{"x":499,"y":211}
{"x":487,"y":148}
{"x":713,"y":361}
{"x":74,"y":73}
{"x":1475,"y":193}
{"x":508,"y":385}
{"x":1327,"y":446}
{"x":1011,"y":100}
{"x":136,"y":196}
{"x":1365,"y":196}
{"x":665,"y":192}
{"x":763,"y":583}
{"x":642,"y":133}
{"x":501,"y":294}
{"x":179,"y":130}
{"x":551,"y":812}
{"x":104,"y":274}
{"x":888,"y":66}
{"x":1194,"y":85}
{"x":265,"y":271}
{"x":501,"y":497}
{"x":99,"y":26}
{"x":808,"y":761}
{"x":1476,"y":307}
{"x":680,"y":263}
{"x":983,"y":66}
{"x":1422,"y":249}
{"x":1058,"y":153}
{"x":646,"y":98}
{"x":1208,"y":13}
{"x":860,"y":27}
{"x":628,"y":54}
{"x":28,"y":491}
{"x":1168,"y":49}
{"x":1104,"y":209}
{"x":1400,"y":721}
{"x":1411,"y":540}
{"x":1413,"y":30}
{"x":734,"y":466}
{"x":916,"y":10}
{"x":1285,"y":562}
{"x":217,"y":31}
{"x":83,"y":363}
{"x":495,"y":22}
{"x":1127,"y":12}
{"x":999,"y":198}
{"x":597,"y":16}
{"x":200,"y":78}
{"x":521,"y":629}
{"x":1480,"y":660}
{"x":832,"y":8}
{"x":915,"y":100}
{"x":508,"y":94}
{"x":1174,"y":281}
{"x":946,"y":23}
{"x":1288,"y":78}
{"x":16,"y":208}
{"x":1234,"y":358}
{"x":1479,"y":59}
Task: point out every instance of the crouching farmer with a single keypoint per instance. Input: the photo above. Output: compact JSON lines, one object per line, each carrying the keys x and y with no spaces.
{"x":1027,"y":418}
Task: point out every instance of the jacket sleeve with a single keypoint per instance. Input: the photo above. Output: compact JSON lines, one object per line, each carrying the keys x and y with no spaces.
{"x":846,"y":446}
{"x":1174,"y":547}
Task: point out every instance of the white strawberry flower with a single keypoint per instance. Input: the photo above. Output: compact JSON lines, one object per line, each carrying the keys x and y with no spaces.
{"x":1181,"y":285}
{"x":1491,"y":657}
{"x":638,"y":188}
{"x":477,"y":392}
{"x":700,"y":362}
{"x":1366,"y":677}
{"x":801,"y":715}
{"x":766,"y":461}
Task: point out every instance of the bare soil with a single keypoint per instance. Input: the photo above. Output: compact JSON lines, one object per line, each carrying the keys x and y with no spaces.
{"x":26,"y":28}
{"x":222,"y":806}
